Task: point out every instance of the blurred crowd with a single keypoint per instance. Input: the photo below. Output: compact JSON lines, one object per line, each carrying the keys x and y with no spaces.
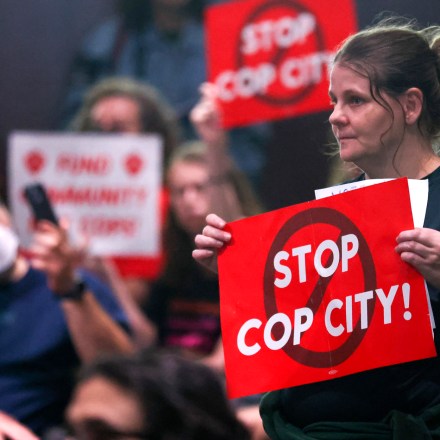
{"x":112,"y":348}
{"x":97,"y":347}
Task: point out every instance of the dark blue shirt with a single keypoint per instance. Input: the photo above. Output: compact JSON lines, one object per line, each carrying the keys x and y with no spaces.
{"x":37,"y":357}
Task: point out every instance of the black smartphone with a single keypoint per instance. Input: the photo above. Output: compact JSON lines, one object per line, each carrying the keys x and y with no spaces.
{"x":38,"y":200}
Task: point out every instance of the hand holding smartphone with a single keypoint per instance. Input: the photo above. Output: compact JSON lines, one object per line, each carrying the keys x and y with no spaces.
{"x":38,"y":200}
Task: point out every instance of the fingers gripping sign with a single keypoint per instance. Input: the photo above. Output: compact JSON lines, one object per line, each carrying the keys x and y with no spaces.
{"x":420,"y":247}
{"x":318,"y":290}
{"x":210,"y":242}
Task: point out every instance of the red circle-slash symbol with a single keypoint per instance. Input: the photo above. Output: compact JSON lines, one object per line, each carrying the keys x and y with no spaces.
{"x":327,"y":216}
{"x":315,"y":42}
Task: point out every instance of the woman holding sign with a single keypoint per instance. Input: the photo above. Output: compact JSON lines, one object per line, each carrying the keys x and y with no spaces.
{"x":385,"y":89}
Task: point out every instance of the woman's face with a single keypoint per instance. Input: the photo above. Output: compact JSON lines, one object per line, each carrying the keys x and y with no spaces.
{"x":117,"y":114}
{"x":189,"y":190}
{"x":101,"y":410}
{"x":367,"y":133}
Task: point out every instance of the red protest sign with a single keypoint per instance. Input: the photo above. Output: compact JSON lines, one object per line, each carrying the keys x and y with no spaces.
{"x":269,"y":58}
{"x":316,"y":291}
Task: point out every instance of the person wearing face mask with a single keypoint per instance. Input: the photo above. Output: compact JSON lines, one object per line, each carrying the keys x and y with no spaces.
{"x":8,"y":253}
{"x":52,"y":319}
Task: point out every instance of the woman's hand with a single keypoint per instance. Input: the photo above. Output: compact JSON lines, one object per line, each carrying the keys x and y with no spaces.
{"x":210,"y":241}
{"x":420,"y":248}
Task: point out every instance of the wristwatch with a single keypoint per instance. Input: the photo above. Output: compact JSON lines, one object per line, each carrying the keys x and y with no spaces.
{"x":76,"y":292}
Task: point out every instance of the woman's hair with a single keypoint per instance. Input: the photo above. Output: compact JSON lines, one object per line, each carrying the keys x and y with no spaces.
{"x":156,"y":115}
{"x":178,"y":244}
{"x":181,"y":399}
{"x":395,"y":55}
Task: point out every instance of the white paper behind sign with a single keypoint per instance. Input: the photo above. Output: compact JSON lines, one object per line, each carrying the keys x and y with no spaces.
{"x":418,"y":193}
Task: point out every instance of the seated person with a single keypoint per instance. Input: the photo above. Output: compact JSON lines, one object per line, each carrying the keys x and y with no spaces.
{"x":124,"y":105}
{"x":52,"y":318}
{"x":201,"y":176}
{"x":152,"y":394}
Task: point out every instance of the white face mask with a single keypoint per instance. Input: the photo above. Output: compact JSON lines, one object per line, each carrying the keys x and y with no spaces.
{"x":8,"y":248}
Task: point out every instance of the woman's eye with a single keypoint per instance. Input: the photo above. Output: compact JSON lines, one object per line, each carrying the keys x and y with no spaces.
{"x":356,"y":100}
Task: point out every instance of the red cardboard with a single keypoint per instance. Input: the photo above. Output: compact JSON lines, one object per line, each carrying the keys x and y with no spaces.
{"x":269,"y":59}
{"x":316,"y":291}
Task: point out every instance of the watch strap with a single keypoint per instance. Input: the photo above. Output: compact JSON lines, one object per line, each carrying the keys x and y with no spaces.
{"x":76,"y":293}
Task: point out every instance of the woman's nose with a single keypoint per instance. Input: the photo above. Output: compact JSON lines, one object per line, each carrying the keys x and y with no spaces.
{"x":337,"y":116}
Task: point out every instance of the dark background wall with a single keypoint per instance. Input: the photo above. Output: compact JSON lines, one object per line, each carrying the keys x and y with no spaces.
{"x":38,"y":39}
{"x":37,"y":42}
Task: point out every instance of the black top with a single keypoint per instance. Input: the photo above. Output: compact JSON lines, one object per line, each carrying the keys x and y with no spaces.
{"x":371,"y":395}
{"x":187,"y":316}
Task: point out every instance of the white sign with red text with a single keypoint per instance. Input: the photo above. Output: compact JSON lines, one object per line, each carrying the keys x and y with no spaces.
{"x":106,"y":186}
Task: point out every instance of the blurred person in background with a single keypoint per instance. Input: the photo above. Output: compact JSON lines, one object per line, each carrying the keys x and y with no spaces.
{"x":160,"y":43}
{"x":151,"y":395}
{"x":53,"y":318}
{"x":184,"y":304}
{"x":126,"y":106}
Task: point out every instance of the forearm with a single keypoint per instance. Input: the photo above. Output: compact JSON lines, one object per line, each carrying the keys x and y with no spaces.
{"x":92,"y":330}
{"x":223,"y":196}
{"x":144,"y":331}
{"x":224,"y":201}
{"x":217,"y":154}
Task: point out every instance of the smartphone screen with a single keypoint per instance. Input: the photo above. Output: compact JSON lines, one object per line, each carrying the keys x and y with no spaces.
{"x":38,"y":200}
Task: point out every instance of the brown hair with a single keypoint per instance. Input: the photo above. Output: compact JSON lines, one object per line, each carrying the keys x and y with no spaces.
{"x":156,"y":115}
{"x":395,"y":55}
{"x":181,"y":398}
{"x":178,"y":244}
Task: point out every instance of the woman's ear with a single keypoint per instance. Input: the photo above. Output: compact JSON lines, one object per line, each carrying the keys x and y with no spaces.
{"x":412,"y":104}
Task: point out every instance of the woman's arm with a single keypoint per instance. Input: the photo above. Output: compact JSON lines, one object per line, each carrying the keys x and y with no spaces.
{"x":92,"y":329}
{"x":206,"y":119}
